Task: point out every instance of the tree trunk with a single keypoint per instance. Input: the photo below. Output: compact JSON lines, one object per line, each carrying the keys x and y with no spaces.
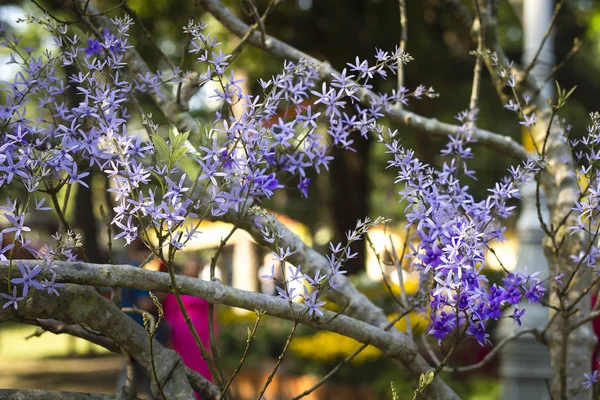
{"x":570,"y":353}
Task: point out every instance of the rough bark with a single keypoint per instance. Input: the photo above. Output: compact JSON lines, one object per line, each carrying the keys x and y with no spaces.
{"x":569,"y":352}
{"x":131,"y":336}
{"x":78,"y":305}
{"x":53,"y":395}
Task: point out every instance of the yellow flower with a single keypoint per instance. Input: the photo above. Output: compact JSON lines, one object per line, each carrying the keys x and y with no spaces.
{"x":326,"y":346}
{"x":418,"y":321}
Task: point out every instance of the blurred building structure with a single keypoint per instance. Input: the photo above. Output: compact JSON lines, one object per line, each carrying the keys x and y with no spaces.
{"x":525,"y":363}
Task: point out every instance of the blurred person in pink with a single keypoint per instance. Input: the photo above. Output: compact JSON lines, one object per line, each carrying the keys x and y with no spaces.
{"x":182,"y":339}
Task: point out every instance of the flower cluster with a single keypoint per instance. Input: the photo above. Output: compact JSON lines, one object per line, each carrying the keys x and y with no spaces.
{"x":453,"y":231}
{"x":60,"y":130}
{"x":313,"y":287}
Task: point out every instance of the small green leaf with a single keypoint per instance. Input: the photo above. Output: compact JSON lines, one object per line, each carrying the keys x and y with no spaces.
{"x":429,"y":376}
{"x":172,"y":136}
{"x":570,"y":92}
{"x":394,"y":392}
{"x":177,"y":154}
{"x":426,"y":379}
{"x":180,"y":140}
{"x":158,"y":306}
{"x":159,"y":179}
{"x":161,"y":147}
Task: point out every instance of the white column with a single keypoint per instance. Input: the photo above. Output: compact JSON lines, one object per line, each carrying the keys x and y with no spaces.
{"x":537,"y":15}
{"x":525,"y":363}
{"x":244,"y":265}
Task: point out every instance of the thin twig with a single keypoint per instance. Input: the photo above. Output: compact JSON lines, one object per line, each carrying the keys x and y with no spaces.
{"x":243,"y":41}
{"x":582,"y":321}
{"x":562,"y":367}
{"x":430,"y":352}
{"x":251,"y":336}
{"x":60,"y":21}
{"x":477,"y":70}
{"x":121,"y":4}
{"x":400,"y":272}
{"x":493,"y":352}
{"x":350,"y":357}
{"x":148,"y":36}
{"x":279,"y":360}
{"x":205,"y":355}
{"x":151,"y":332}
{"x":403,"y":40}
{"x":533,"y":62}
{"x":188,"y":40}
{"x":211,"y":328}
{"x":383,"y":275}
{"x":258,"y":19}
{"x":576,"y":46}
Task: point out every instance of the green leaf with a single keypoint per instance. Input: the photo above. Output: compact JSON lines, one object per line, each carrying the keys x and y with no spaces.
{"x":429,"y":376}
{"x":177,"y":154}
{"x":180,"y":140}
{"x":426,"y":379}
{"x":159,"y":308}
{"x":394,"y":392}
{"x":172,"y":136}
{"x":161,"y":147}
{"x":159,"y":179}
{"x":570,"y":92}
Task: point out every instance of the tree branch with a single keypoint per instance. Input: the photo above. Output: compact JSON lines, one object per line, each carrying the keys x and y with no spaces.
{"x":197,"y":381}
{"x":18,"y":394}
{"x":430,"y":126}
{"x":58,"y":327}
{"x":356,"y":304}
{"x":72,"y":308}
{"x":165,"y":101}
{"x":495,"y":350}
{"x":79,"y":305}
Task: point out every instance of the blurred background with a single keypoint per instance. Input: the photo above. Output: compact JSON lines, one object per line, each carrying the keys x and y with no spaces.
{"x":356,"y":186}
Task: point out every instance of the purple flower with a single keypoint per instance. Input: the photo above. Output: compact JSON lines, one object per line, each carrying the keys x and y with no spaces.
{"x":93,"y":47}
{"x":13,"y":299}
{"x":313,"y":303}
{"x":303,"y":186}
{"x":27,"y":276}
{"x":287,"y":295}
{"x":75,"y":177}
{"x":51,"y":286}
{"x":517,"y":314}
{"x":535,"y":292}
{"x":528,"y":121}
{"x":271,"y":275}
{"x":590,"y":379}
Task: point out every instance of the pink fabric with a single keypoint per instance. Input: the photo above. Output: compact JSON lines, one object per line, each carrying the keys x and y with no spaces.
{"x":181,"y":337}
